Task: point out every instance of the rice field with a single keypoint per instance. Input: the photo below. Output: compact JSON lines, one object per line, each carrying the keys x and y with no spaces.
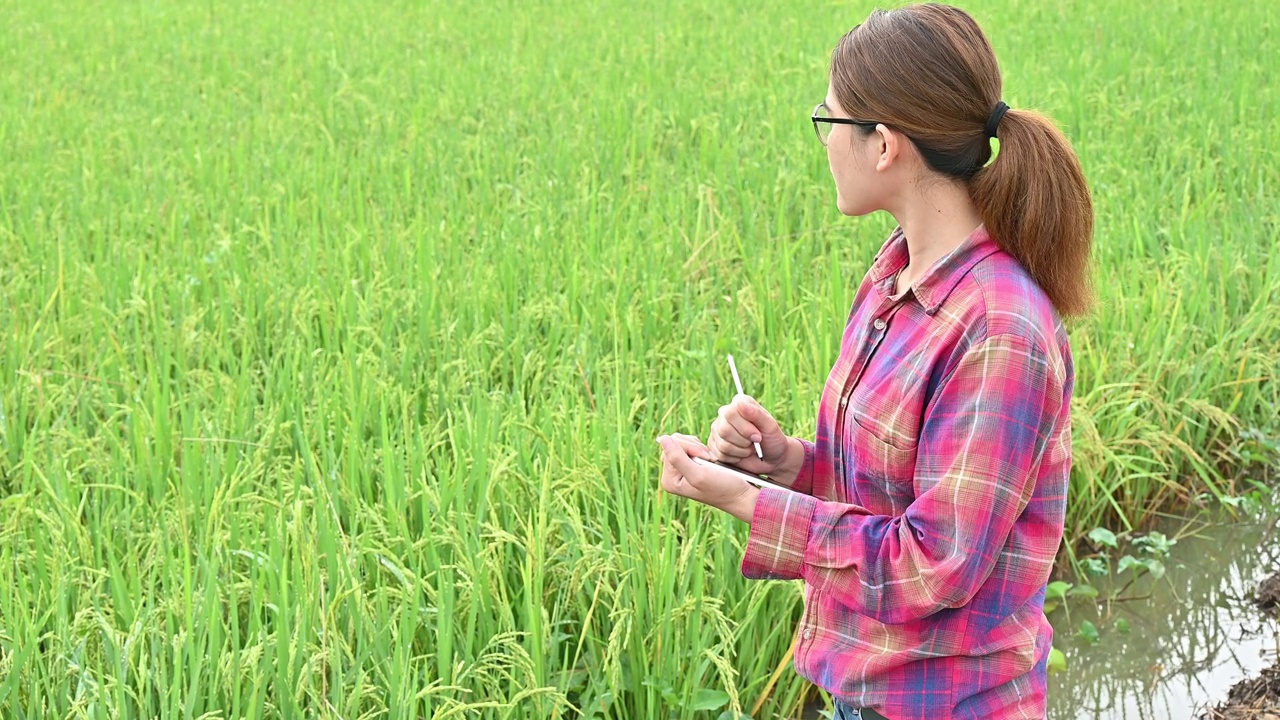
{"x":335,"y":337}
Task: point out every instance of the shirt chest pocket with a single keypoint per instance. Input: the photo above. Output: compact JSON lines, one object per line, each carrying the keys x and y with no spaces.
{"x":888,"y":402}
{"x":881,"y":434}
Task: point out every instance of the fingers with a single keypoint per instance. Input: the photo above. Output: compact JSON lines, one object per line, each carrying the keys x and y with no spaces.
{"x":704,"y":482}
{"x":737,"y":423}
{"x":722,"y":447}
{"x":675,"y":455}
{"x":737,"y":427}
{"x":693,"y":446}
{"x":679,"y":471}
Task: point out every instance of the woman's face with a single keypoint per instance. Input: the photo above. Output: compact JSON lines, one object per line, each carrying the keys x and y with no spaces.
{"x":859,"y":161}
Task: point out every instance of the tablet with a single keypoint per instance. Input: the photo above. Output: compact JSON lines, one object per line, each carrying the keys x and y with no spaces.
{"x":749,"y":477}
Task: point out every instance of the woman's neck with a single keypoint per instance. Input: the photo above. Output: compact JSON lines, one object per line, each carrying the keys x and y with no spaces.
{"x":936,"y":217}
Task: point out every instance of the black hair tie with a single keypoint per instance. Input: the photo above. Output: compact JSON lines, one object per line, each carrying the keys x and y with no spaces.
{"x":993,"y":120}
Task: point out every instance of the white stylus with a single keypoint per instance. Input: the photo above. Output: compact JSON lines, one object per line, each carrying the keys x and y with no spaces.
{"x":738,"y":382}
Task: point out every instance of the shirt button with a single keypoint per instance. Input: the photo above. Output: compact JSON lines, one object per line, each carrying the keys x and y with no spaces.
{"x":878,"y":324}
{"x":808,"y":633}
{"x":844,"y":402}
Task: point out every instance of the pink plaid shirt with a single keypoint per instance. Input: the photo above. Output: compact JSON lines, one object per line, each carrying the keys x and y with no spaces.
{"x":930,"y":507}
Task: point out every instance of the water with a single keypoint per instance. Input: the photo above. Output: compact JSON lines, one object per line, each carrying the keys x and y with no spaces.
{"x":1188,"y":644}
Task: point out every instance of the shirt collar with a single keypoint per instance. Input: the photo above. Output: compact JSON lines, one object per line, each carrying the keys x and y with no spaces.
{"x":932,"y":289}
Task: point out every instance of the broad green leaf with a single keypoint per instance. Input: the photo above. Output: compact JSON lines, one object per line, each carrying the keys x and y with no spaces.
{"x":1096,"y":566}
{"x":1057,"y":660}
{"x":709,"y":700}
{"x":1156,"y":543}
{"x":1083,"y":591}
{"x":1103,"y":536}
{"x":1089,"y":632}
{"x":1057,"y":590}
{"x":1129,"y":561}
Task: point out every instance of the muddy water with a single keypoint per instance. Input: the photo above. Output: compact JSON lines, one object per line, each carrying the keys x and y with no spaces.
{"x":1187,"y":645}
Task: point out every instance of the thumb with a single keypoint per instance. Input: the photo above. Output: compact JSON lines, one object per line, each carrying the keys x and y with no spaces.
{"x":673,"y":453}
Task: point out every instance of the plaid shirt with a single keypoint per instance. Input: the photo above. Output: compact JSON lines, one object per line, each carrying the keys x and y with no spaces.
{"x":931,"y":505}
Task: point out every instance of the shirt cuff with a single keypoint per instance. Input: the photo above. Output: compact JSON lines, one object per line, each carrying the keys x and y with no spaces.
{"x":779,"y":534}
{"x":804,"y":479}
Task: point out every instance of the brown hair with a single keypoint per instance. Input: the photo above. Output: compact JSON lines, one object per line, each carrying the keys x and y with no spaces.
{"x":928,"y":72}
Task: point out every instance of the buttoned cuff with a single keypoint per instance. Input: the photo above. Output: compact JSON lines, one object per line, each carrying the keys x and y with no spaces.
{"x":779,"y":535}
{"x":804,"y":479}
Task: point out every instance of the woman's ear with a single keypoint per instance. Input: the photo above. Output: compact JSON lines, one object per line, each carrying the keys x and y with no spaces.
{"x":890,"y":146}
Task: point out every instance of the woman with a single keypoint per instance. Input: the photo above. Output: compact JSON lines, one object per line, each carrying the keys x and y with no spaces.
{"x":925,"y":517}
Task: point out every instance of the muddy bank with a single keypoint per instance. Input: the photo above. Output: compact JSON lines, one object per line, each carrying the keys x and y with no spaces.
{"x":1267,"y":598}
{"x":1256,"y":698}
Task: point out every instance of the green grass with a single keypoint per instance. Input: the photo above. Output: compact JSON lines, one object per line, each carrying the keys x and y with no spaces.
{"x":335,"y":339}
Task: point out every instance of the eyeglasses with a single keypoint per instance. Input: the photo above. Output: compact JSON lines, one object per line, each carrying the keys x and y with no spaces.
{"x":822,"y":122}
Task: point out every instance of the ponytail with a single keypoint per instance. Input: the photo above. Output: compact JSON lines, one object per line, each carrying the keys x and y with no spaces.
{"x":1036,"y":205}
{"x":929,"y":72}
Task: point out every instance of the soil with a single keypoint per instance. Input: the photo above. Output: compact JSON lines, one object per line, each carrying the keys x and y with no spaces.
{"x":1268,"y":595}
{"x":1255,"y":698}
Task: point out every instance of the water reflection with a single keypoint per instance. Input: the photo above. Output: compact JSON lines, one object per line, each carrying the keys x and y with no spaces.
{"x":1188,"y":644}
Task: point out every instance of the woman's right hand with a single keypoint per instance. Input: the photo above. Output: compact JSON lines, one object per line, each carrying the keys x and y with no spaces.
{"x":743,"y":422}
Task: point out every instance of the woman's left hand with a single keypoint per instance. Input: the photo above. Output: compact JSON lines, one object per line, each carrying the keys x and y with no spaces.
{"x":708,"y":484}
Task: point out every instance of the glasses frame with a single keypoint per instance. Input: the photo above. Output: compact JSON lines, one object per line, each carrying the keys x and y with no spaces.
{"x":816,"y":118}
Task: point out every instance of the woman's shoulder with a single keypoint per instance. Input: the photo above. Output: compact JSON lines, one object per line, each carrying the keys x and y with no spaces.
{"x":1000,"y":299}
